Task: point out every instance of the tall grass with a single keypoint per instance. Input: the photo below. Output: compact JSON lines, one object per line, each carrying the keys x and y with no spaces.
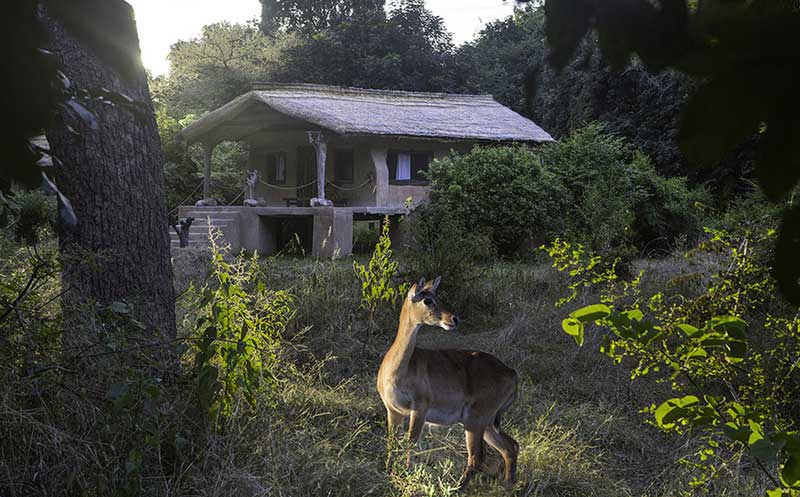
{"x":577,"y":417}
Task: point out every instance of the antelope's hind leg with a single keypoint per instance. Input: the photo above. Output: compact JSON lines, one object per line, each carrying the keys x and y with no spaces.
{"x":507,"y":447}
{"x":474,"y":456}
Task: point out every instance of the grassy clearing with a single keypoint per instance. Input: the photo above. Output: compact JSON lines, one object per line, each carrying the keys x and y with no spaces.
{"x":577,"y":417}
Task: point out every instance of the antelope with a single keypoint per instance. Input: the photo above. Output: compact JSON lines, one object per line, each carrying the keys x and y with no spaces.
{"x":444,"y":387}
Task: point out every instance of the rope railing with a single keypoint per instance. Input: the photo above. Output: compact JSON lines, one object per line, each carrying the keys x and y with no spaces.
{"x":329,"y":183}
{"x":188,"y":197}
{"x":286,"y":187}
{"x":346,"y":189}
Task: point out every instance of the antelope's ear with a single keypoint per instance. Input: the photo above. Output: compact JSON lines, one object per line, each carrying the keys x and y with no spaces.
{"x":417,"y":290}
{"x":435,"y":284}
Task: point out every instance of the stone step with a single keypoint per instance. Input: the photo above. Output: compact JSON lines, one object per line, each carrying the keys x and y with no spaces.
{"x":192,"y":236}
{"x":214,"y":220}
{"x":216,"y":223}
{"x":212,"y":213}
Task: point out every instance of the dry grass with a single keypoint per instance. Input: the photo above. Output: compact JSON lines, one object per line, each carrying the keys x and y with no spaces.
{"x":577,"y":416}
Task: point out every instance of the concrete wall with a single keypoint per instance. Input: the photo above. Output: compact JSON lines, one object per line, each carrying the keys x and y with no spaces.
{"x":257,"y":228}
{"x":369,"y":167}
{"x":357,"y":193}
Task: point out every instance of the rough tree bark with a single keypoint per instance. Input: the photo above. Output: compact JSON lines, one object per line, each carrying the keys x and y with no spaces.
{"x":119,"y":251}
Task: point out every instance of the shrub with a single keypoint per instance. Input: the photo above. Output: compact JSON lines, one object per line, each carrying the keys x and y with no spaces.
{"x":615,"y":196}
{"x":730,"y":354}
{"x":438,"y":244}
{"x":590,"y":188}
{"x":237,"y":334}
{"x":500,"y":191}
{"x":377,"y":279}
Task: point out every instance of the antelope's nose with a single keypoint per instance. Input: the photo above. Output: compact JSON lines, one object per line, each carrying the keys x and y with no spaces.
{"x":455,"y":320}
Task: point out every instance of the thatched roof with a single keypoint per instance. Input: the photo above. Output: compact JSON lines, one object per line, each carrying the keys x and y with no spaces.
{"x":354,"y":111}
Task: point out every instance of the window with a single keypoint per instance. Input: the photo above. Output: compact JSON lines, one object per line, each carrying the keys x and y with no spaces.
{"x":343,"y":165}
{"x":406,"y":167}
{"x":276,"y":167}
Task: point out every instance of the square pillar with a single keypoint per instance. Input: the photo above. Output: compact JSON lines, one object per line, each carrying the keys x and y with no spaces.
{"x":333,"y":232}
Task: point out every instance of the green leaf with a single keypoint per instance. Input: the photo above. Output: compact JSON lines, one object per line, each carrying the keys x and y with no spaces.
{"x":697,"y":353}
{"x":673,"y":409}
{"x":574,"y":328}
{"x":790,"y":473}
{"x":731,"y":325}
{"x":786,"y":268}
{"x":712,"y":125}
{"x":633,"y":314}
{"x":778,"y":167}
{"x":763,"y":448}
{"x":591,"y":313}
{"x":734,"y":432}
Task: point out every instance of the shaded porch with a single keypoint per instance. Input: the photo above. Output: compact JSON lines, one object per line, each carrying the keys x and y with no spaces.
{"x":322,"y":231}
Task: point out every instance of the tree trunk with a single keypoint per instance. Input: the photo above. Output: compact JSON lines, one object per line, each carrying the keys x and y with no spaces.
{"x":113,"y":175}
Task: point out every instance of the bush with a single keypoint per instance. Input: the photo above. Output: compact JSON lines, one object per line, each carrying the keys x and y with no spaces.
{"x":590,"y":188}
{"x":437,"y":244}
{"x":616,"y":198}
{"x":500,"y":191}
{"x":237,"y":335}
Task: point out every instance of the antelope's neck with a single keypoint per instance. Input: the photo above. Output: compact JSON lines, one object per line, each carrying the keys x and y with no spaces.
{"x":395,"y":363}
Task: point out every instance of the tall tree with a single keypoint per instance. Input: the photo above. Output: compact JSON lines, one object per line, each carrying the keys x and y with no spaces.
{"x":508,"y":60}
{"x":112,"y":166}
{"x":408,"y":49}
{"x":312,"y":16}
{"x":743,"y":52}
{"x":221,"y":64}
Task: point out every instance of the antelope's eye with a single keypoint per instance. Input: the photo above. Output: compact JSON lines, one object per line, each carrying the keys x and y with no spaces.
{"x":428,"y":301}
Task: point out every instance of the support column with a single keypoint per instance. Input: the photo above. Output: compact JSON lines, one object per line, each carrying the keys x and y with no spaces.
{"x":381,"y":176}
{"x":208,"y":152}
{"x":320,"y":143}
{"x":333,"y":233}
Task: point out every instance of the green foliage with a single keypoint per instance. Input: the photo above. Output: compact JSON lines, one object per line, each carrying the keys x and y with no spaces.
{"x":438,"y":243}
{"x":589,"y":187}
{"x":732,"y":346}
{"x":309,"y":17}
{"x":615,"y":196}
{"x":407,"y":48}
{"x":585,"y":268}
{"x":501,"y":191}
{"x":718,"y":43}
{"x":29,"y":215}
{"x":377,"y":278}
{"x":213,"y":69}
{"x":237,"y":335}
{"x":509,"y":61}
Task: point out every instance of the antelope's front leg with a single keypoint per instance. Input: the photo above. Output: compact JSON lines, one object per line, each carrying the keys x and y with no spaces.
{"x":394,"y":421}
{"x":415,"y":425}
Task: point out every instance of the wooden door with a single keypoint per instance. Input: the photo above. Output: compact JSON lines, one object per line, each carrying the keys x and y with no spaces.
{"x":306,"y":173}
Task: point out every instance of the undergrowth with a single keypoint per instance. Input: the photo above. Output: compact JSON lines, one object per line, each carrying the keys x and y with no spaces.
{"x":107,"y":425}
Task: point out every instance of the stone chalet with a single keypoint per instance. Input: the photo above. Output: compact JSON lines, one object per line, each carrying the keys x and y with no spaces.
{"x":326,"y":156}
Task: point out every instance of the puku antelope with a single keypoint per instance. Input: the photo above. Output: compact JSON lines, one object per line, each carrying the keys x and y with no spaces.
{"x":445,"y":387}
